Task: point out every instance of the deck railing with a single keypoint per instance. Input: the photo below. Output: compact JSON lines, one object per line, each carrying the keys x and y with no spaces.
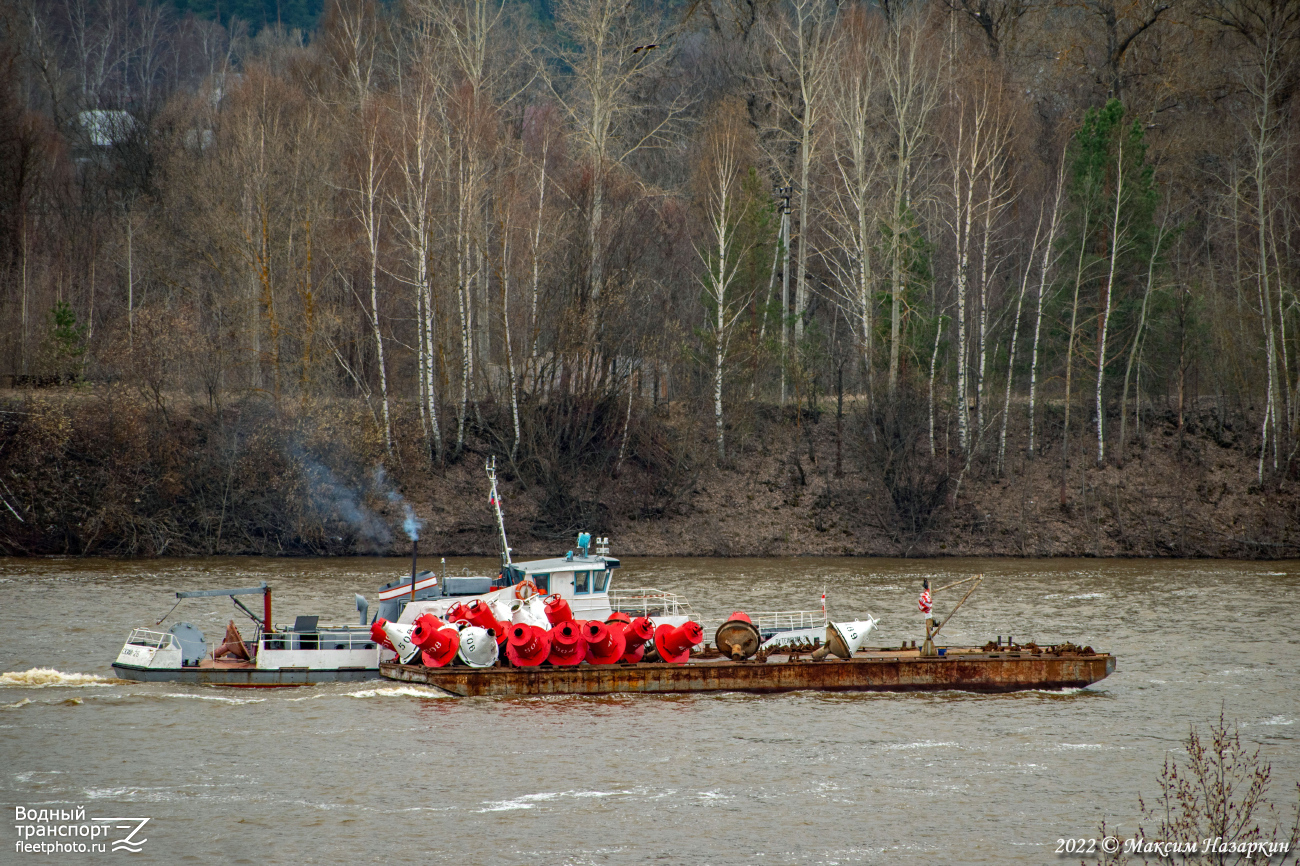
{"x":787,"y":620}
{"x":647,"y":601}
{"x":329,"y":639}
{"x":149,"y":638}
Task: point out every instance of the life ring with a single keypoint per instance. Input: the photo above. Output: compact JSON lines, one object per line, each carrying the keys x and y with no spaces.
{"x":526,"y":583}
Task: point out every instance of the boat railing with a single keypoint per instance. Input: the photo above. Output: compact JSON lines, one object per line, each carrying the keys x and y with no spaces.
{"x":147,"y":637}
{"x":648,"y":601}
{"x":787,"y":620}
{"x":325,"y":639}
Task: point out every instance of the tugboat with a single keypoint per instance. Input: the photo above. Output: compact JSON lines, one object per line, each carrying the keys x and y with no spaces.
{"x":303,"y":654}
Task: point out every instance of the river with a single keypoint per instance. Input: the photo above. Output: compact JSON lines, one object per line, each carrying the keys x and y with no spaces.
{"x":377,"y":772}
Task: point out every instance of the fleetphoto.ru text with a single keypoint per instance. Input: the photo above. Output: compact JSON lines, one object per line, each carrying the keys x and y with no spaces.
{"x":69,"y":831}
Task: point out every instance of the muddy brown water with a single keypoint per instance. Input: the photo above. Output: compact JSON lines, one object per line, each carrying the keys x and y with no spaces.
{"x":379,"y":772}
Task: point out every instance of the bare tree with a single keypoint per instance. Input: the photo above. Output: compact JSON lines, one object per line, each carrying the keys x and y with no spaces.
{"x":912,"y":92}
{"x":805,"y":41}
{"x":1269,"y":37}
{"x":981,"y":188}
{"x":725,"y":246}
{"x":372,"y":163}
{"x":615,"y":46}
{"x":1047,"y":266}
{"x":858,"y":165}
{"x":420,"y":164}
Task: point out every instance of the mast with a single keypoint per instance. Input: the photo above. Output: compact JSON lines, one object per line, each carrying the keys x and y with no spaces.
{"x":501,"y":520}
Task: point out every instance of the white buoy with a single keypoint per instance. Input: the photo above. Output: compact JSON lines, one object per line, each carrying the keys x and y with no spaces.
{"x":501,"y":606}
{"x":399,"y":636}
{"x":845,"y":638}
{"x":478,"y":647}
{"x":530,"y":612}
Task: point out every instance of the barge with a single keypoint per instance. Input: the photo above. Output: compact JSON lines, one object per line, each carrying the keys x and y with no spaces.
{"x":872,"y":670}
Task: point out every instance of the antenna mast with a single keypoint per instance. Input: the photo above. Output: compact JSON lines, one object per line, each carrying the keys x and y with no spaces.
{"x":496,"y":503}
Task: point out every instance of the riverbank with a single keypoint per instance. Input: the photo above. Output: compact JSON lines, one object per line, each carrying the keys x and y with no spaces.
{"x":110,"y":474}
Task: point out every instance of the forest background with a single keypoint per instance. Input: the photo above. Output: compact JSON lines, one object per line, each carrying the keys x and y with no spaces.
{"x":712,"y":277}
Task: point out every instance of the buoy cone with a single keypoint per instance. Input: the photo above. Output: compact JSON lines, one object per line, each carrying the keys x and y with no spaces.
{"x":532,"y":611}
{"x":527,"y":646}
{"x":737,"y":637}
{"x":635,"y":635}
{"x":568,"y":646}
{"x":377,"y":633}
{"x":478,"y":647}
{"x":605,"y":643}
{"x":843,"y":639}
{"x":458,"y":612}
{"x":399,"y":638}
{"x":480,"y":614}
{"x":438,"y":642}
{"x":558,"y":610}
{"x":618,"y":616}
{"x":674,"y":642}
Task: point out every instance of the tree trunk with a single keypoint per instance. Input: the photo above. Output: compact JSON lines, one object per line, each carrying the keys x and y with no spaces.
{"x":1042,"y":287}
{"x":1011,"y":360}
{"x":1106,"y":307}
{"x":1137,"y":337}
{"x":934,"y":362}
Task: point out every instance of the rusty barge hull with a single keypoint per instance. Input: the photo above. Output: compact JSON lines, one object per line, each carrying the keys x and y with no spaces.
{"x":873,"y":672}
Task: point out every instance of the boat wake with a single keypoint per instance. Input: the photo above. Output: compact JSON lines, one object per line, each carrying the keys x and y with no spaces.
{"x":40,"y":678}
{"x":218,"y":698}
{"x":400,"y":692}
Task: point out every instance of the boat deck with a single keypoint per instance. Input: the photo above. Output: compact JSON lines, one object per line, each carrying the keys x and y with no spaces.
{"x":881,"y":670}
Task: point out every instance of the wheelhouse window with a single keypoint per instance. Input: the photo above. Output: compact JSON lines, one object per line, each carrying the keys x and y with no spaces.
{"x":581,"y":582}
{"x":543,"y":582}
{"x":601,"y":580}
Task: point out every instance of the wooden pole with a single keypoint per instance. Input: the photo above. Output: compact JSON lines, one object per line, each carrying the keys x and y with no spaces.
{"x":978,"y":580}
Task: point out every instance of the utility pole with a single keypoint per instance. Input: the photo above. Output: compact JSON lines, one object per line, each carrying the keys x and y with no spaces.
{"x":784,"y":193}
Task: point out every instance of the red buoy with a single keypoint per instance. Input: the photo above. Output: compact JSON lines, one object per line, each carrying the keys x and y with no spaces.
{"x":674,"y":642}
{"x":377,"y":633}
{"x":438,"y":642}
{"x":605,"y":643}
{"x":740,"y":615}
{"x":527,"y":645}
{"x":568,"y":646}
{"x":458,"y":612}
{"x":635,"y":635}
{"x":440,"y":648}
{"x":557,"y":610}
{"x":425,"y":625}
{"x":618,"y":616}
{"x":480,"y":614}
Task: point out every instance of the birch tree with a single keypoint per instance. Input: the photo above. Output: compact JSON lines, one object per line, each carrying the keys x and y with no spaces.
{"x":419,"y":164}
{"x":980,"y":188}
{"x":805,"y":42}
{"x":724,"y":246}
{"x":610,"y":48}
{"x":857,"y":168}
{"x":912,"y":93}
{"x":1268,"y":36}
{"x":371,"y":165}
{"x":1048,"y":262}
{"x":1114,"y":194}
